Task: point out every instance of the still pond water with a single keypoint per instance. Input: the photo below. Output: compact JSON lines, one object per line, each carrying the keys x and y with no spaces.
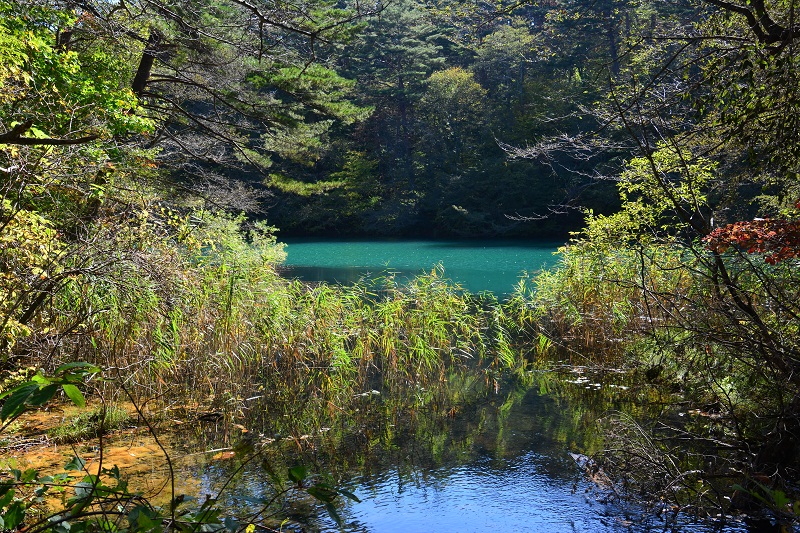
{"x":499,"y":465}
{"x":485,"y":265}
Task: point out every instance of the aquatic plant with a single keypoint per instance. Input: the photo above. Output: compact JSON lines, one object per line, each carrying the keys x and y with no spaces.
{"x":88,"y":424}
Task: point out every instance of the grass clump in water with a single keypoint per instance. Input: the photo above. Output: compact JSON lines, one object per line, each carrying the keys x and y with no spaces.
{"x":89,"y":424}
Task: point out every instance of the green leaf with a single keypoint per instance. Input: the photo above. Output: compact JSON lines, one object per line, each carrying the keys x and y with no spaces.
{"x":4,"y":488}
{"x":86,"y":486}
{"x":349,"y":495}
{"x":780,"y":499}
{"x":273,"y":475}
{"x":13,"y":517}
{"x":106,"y":525}
{"x":29,"y":475}
{"x":333,"y":513}
{"x":62,"y":527}
{"x":77,"y":504}
{"x":42,"y":396}
{"x":6,"y":499}
{"x":298,"y":473}
{"x":76,"y":463}
{"x":74,"y":394}
{"x":112,"y":472}
{"x":232,"y":525}
{"x":15,"y":404}
{"x":41,"y":380}
{"x":57,"y":521}
{"x":322,"y":493}
{"x":87,"y":368}
{"x":142,"y":517}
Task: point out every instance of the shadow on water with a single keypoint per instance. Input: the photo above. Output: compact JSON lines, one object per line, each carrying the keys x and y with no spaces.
{"x":498,"y":243}
{"x":343,"y":275}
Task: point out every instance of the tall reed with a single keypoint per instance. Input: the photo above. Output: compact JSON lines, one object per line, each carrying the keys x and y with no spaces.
{"x":194,"y":315}
{"x":598,"y":303}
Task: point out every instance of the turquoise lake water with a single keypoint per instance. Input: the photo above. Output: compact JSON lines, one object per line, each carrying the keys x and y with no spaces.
{"x":485,"y":265}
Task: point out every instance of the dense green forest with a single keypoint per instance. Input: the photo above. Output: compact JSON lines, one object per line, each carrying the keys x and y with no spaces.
{"x":443,"y":88}
{"x":150,"y":148}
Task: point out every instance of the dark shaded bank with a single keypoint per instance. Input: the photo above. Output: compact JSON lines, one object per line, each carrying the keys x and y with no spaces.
{"x":323,"y":217}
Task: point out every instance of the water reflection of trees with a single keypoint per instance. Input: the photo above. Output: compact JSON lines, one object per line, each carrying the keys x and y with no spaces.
{"x":420,"y":436}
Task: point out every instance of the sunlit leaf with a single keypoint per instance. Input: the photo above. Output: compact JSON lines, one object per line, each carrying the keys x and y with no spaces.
{"x":86,"y":367}
{"x":74,"y":394}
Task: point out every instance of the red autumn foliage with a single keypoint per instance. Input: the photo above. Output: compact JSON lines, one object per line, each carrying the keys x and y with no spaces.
{"x":778,"y":239}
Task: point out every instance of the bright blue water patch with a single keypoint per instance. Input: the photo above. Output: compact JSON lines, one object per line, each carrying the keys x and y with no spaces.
{"x":519,"y":495}
{"x":486,"y":265}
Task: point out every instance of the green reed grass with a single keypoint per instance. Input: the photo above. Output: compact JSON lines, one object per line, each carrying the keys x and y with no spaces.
{"x":597,"y":304}
{"x":209,"y":324}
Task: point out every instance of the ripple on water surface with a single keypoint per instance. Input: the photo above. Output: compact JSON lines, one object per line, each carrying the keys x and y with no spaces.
{"x":485,"y":497}
{"x":475,"y":498}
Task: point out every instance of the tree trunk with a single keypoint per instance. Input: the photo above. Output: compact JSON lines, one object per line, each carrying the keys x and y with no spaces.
{"x":62,"y":40}
{"x":613,"y":46}
{"x":406,"y":135}
{"x":146,"y":63}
